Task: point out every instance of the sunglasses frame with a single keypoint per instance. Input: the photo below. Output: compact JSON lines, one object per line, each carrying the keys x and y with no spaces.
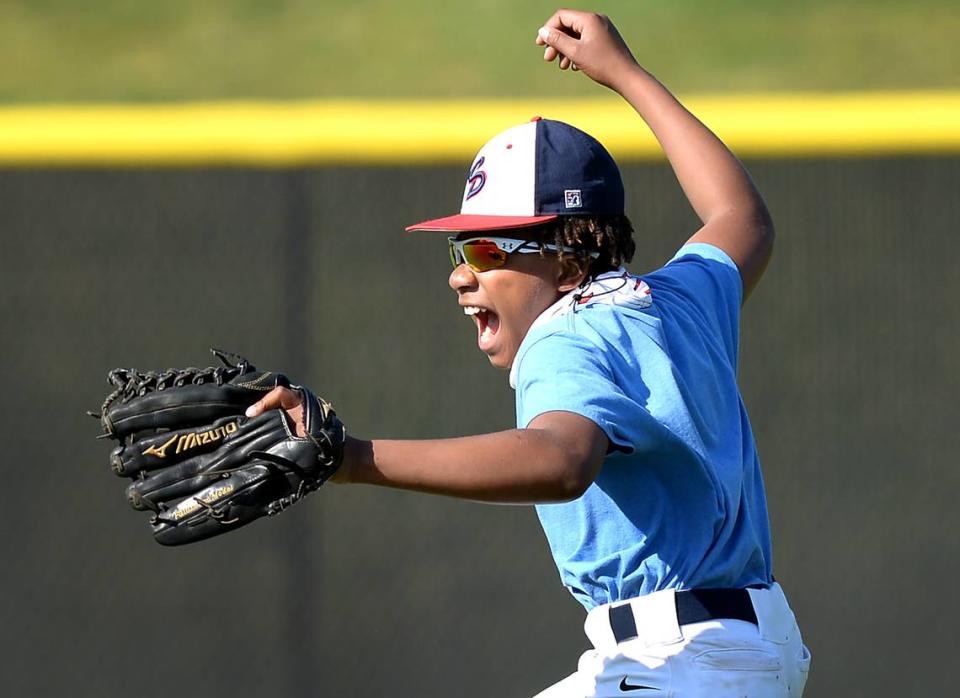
{"x":508,"y":245}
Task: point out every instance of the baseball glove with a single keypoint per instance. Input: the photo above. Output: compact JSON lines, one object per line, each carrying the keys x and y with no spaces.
{"x":197,"y":463}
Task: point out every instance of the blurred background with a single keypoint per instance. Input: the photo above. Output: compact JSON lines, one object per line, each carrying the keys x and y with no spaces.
{"x":129,"y":50}
{"x":127,"y":239}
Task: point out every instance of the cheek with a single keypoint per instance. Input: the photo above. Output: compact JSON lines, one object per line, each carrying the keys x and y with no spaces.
{"x":535,"y":298}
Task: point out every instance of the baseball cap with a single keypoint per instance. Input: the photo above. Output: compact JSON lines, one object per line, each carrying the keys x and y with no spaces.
{"x":534,"y":173}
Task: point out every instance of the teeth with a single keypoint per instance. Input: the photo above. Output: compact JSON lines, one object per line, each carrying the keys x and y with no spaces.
{"x":472,"y":310}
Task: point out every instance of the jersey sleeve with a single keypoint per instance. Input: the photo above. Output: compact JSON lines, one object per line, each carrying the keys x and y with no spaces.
{"x":565,"y":371}
{"x":704,"y":281}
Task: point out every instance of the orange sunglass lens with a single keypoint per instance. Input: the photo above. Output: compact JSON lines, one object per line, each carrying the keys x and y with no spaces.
{"x":483,"y":255}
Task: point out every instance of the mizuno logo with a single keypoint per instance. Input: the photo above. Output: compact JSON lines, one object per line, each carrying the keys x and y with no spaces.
{"x":195,"y":438}
{"x":199,"y":438}
{"x":160,"y":452}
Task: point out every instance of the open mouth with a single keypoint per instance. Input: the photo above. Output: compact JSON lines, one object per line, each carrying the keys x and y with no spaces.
{"x":488,"y":322}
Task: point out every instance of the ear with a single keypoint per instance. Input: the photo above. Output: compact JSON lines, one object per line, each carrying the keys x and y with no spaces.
{"x":571,"y":273}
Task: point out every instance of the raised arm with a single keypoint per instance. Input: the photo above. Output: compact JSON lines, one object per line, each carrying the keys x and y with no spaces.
{"x":733,"y":213}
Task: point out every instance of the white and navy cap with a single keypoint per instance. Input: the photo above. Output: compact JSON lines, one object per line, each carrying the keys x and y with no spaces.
{"x":534,"y":173}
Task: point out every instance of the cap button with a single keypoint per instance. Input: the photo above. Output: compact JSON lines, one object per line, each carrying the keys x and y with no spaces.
{"x":537,"y":118}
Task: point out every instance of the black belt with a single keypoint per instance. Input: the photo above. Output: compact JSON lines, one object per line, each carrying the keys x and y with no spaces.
{"x":693,"y":606}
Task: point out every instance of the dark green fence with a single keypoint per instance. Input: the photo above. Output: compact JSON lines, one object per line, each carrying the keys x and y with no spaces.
{"x":848,"y":366}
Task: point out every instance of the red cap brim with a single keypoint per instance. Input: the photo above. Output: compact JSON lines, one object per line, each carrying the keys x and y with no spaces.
{"x":464,"y":222}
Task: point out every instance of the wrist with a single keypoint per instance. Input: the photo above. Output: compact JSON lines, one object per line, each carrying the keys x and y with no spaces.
{"x":355,"y":453}
{"x":628,"y":77}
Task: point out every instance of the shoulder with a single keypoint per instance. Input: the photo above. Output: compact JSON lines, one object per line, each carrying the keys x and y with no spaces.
{"x":699,"y":293}
{"x":594,"y":370}
{"x":704,"y":250}
{"x":597,"y":343}
{"x":699,"y":275}
{"x":700,"y":263}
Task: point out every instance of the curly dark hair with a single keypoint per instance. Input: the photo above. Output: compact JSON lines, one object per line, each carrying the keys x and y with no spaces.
{"x":611,"y":236}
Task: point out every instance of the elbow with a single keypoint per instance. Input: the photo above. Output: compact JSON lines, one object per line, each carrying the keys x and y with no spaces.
{"x":569,"y":454}
{"x":757,"y":241}
{"x":570,"y":489}
{"x":754,"y":218}
{"x":764,"y":246}
{"x":767,"y":231}
{"x":577,"y":476}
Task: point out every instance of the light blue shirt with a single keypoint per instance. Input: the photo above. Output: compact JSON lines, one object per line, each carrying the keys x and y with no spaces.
{"x":679,"y":502}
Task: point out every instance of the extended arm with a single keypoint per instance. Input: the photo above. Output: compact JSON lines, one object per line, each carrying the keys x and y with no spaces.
{"x":733,"y":213}
{"x":554,"y":459}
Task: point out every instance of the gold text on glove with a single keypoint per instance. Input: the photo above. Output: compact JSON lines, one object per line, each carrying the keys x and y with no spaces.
{"x":197,"y":438}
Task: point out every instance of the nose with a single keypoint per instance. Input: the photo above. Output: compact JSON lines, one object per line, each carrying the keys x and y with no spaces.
{"x":462,"y":279}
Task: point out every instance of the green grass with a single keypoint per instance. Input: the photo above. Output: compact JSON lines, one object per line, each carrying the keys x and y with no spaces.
{"x":130,"y":50}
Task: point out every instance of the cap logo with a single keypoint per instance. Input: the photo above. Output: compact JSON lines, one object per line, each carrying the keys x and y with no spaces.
{"x":476,"y":178}
{"x":572,"y":199}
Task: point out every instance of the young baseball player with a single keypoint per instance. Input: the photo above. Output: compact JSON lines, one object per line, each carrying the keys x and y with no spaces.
{"x":632,"y":439}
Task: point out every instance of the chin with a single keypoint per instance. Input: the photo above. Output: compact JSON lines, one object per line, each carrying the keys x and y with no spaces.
{"x":498,"y":364}
{"x":500,"y":361}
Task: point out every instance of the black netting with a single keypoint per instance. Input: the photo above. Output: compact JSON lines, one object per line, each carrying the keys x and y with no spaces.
{"x":848,"y":366}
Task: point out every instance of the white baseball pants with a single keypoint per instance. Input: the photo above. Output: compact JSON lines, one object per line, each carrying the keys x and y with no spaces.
{"x":713,"y":659}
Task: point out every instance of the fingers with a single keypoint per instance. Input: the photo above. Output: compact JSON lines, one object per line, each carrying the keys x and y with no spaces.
{"x":561,"y":35}
{"x":268,"y":402}
{"x":588,"y":42}
{"x":568,"y":21}
{"x":276,"y":398}
{"x":550,"y":54}
{"x":557,"y":43}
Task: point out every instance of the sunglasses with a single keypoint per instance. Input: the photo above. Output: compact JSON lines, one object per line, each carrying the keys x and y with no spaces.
{"x":483,"y":254}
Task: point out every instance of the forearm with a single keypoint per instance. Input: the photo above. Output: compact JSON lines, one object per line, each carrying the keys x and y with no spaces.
{"x":554,"y":459}
{"x":515,"y":466}
{"x":712,"y":178}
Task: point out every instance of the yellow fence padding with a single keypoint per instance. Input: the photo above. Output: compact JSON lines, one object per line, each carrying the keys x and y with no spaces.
{"x":280,"y":134}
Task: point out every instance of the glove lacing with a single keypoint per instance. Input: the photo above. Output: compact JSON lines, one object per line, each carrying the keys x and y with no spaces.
{"x":130,"y":383}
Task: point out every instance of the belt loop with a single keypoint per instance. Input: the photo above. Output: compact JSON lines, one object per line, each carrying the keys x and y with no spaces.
{"x":774,"y":617}
{"x":652,"y":619}
{"x":622,"y":623}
